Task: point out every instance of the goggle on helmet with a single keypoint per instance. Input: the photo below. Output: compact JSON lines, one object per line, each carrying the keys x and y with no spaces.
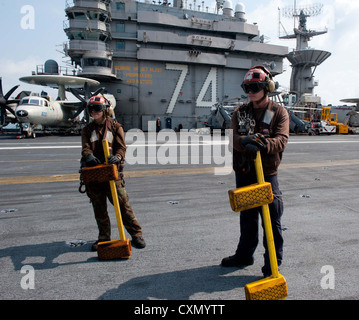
{"x":257,"y":79}
{"x":97,"y":104}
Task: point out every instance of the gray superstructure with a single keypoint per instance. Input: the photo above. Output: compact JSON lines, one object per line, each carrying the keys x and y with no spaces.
{"x":166,"y":61}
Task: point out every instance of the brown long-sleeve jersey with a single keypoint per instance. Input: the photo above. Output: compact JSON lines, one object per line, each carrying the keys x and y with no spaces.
{"x":277,"y":129}
{"x":93,"y":134}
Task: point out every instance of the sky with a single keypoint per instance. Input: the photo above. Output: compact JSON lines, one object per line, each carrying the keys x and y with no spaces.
{"x":32,"y":32}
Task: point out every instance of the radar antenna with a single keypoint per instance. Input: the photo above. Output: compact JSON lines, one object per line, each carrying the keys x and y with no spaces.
{"x":219,"y":5}
{"x":310,"y":11}
{"x":300,"y":15}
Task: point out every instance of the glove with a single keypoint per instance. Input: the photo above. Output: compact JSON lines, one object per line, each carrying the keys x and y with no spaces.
{"x":91,"y":160}
{"x":255,"y":142}
{"x":114,"y":159}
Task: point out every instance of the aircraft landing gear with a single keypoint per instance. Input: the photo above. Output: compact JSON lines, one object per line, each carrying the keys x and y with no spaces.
{"x":27,"y":131}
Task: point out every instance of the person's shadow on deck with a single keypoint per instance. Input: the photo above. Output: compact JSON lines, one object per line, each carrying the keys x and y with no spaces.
{"x":180,"y":285}
{"x":47,"y":252}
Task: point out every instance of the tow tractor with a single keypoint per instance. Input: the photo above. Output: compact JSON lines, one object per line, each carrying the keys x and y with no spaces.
{"x":332,"y":120}
{"x":321,"y":127}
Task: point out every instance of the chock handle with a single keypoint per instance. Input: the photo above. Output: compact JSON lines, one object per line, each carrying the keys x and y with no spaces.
{"x":266,"y":219}
{"x":116,"y":204}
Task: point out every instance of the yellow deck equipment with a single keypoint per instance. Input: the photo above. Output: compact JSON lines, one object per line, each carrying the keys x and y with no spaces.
{"x":115,"y":249}
{"x":256,"y":195}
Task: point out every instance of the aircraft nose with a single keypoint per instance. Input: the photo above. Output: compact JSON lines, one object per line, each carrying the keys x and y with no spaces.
{"x":22,"y":113}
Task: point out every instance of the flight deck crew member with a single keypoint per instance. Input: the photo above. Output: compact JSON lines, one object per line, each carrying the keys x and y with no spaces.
{"x":261,"y":125}
{"x":103,"y":127}
{"x":158,"y":124}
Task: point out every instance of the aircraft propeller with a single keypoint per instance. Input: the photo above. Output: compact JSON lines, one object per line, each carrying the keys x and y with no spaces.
{"x":84,"y":95}
{"x":4,"y":101}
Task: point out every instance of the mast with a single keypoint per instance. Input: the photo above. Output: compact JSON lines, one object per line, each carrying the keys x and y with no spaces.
{"x":304,"y":60}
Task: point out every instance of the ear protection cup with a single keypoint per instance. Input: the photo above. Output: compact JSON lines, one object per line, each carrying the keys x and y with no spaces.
{"x":271,"y":86}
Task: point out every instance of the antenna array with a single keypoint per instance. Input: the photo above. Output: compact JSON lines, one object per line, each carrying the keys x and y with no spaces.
{"x":310,"y":11}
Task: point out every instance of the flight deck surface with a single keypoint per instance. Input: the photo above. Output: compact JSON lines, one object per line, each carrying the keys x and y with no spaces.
{"x":47,"y":226}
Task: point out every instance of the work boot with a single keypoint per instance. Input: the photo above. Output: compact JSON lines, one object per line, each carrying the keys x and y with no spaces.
{"x":236,"y":261}
{"x":95,"y":245}
{"x":267,"y":272}
{"x":138,"y":242}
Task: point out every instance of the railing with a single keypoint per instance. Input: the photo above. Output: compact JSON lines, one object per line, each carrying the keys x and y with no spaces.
{"x":67,"y":71}
{"x":101,"y":4}
{"x":87,"y":45}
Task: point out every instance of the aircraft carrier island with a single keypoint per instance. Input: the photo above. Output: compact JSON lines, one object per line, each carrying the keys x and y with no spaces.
{"x":168,"y":61}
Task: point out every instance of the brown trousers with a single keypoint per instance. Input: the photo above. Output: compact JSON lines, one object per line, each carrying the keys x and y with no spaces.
{"x":98,"y":194}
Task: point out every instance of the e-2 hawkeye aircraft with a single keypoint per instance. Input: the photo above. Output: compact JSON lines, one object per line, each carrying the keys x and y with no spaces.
{"x":42,"y":110}
{"x":46,"y":114}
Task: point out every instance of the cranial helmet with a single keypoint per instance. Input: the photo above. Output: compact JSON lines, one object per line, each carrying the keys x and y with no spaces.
{"x":258,"y":78}
{"x":97,"y":103}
